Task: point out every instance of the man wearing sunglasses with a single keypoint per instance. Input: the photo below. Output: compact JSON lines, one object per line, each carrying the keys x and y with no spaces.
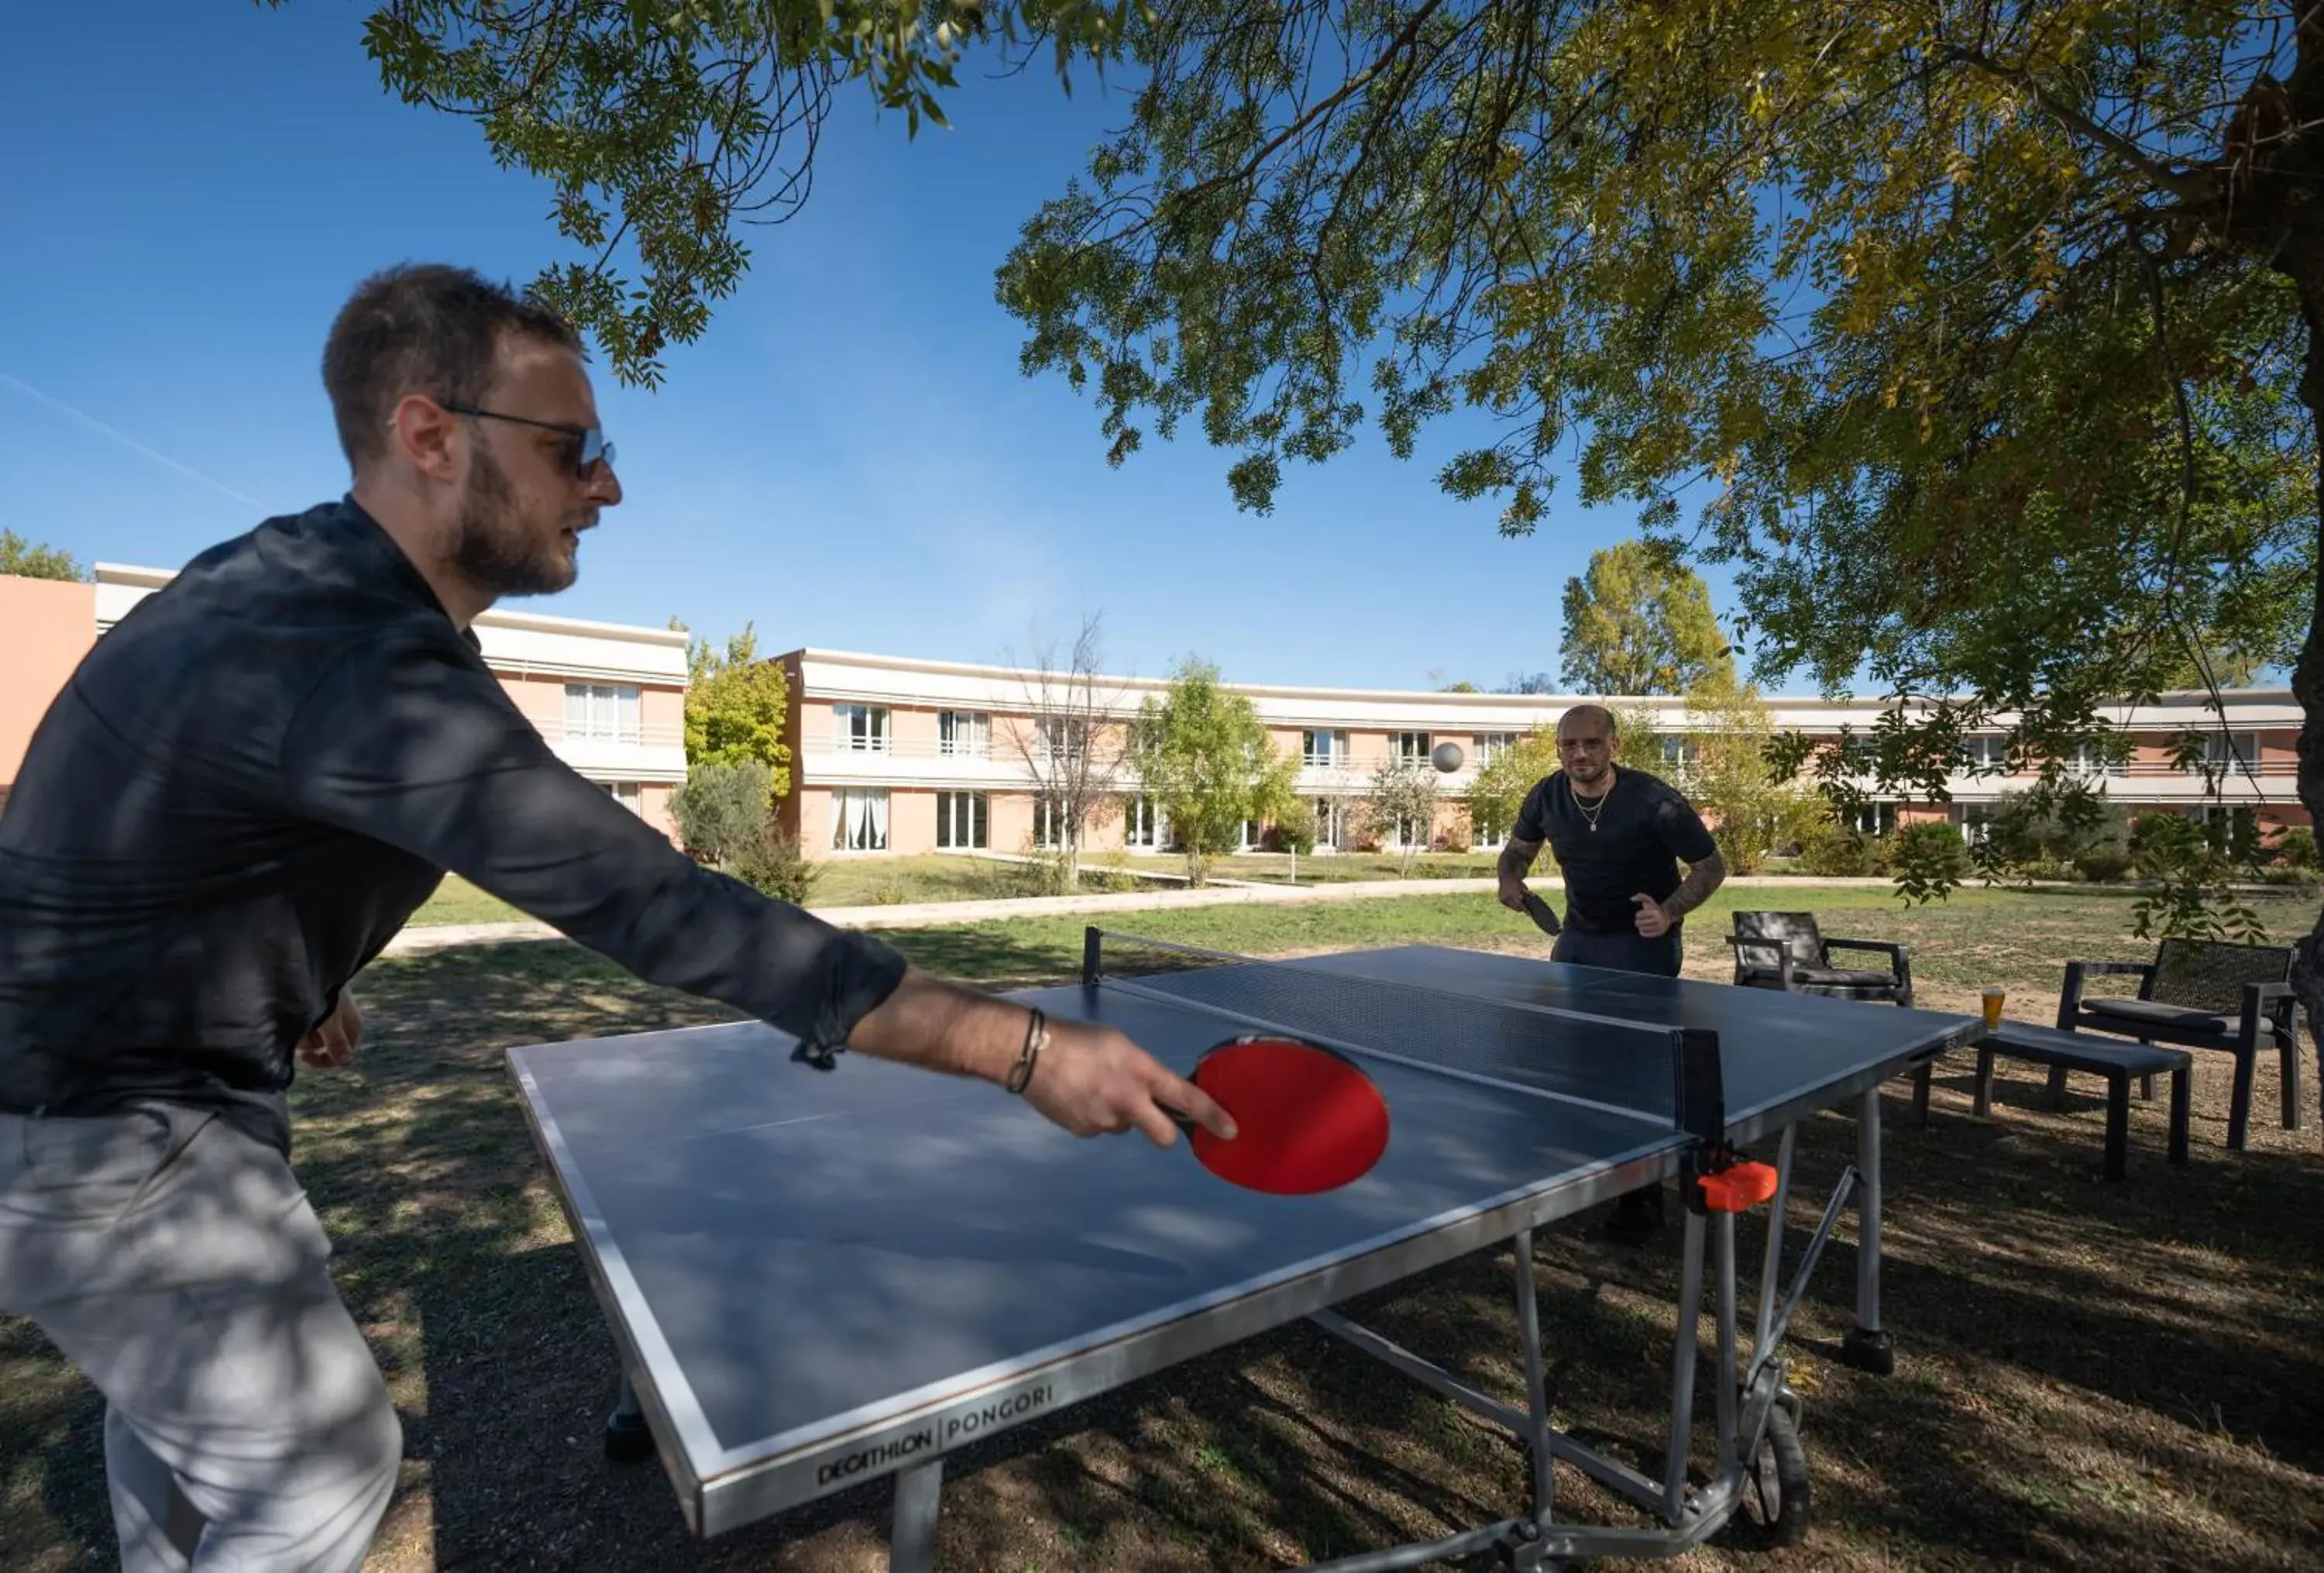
{"x":239,"y":797}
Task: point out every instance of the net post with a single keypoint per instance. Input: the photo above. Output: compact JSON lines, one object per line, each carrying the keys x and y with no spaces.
{"x":1091,"y":935}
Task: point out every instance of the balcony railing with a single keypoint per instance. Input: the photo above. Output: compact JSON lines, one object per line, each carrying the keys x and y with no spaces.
{"x":557,"y":731}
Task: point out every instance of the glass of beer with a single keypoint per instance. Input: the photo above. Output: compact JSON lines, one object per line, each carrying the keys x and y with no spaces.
{"x":1993,"y":998}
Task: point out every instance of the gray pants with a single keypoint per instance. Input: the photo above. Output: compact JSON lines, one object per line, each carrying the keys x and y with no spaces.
{"x":178,"y":1263}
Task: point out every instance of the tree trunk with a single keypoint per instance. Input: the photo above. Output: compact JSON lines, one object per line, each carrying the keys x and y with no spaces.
{"x":2307,"y":672}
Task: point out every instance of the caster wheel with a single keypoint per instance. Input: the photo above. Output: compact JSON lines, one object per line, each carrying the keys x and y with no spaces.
{"x":1868,"y":1351}
{"x":627,"y":1440}
{"x":1775,"y":1488}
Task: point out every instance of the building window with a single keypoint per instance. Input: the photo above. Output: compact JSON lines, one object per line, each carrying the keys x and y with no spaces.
{"x":965,"y":733}
{"x":1410,"y":745}
{"x":1408,"y":830}
{"x":603,"y":711}
{"x":1486,"y":832}
{"x":1872,"y":819}
{"x":1330,"y":823}
{"x":1324,"y":749}
{"x":1985,"y":752}
{"x":1492,"y":745}
{"x":1142,"y":824}
{"x":2231,"y":753}
{"x":1048,"y":823}
{"x":1679,"y":752}
{"x":960,"y":820}
{"x":860,"y":728}
{"x":859,"y":819}
{"x":629,"y":795}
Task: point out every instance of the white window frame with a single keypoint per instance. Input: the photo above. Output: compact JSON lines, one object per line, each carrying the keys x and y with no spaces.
{"x":1330,"y":824}
{"x":1143,"y":822}
{"x":604,"y":712}
{"x":1410,"y":745}
{"x":860,"y":728}
{"x":859,"y":819}
{"x":1322,"y":749}
{"x":963,"y":821}
{"x":964,"y":734}
{"x":629,"y":794}
{"x":1492,"y":745}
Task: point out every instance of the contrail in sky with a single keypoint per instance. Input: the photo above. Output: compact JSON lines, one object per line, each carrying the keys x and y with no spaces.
{"x":86,"y":419}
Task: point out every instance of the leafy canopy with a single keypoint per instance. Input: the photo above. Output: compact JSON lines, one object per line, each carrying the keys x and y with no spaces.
{"x":1639,"y":622}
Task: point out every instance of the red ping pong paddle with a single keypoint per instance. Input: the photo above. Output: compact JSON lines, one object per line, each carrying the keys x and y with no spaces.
{"x":1307,"y":1119}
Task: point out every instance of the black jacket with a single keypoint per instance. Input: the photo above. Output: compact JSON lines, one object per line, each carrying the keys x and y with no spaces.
{"x":253,"y":781}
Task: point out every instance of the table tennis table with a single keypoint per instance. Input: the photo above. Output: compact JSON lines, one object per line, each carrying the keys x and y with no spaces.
{"x":817,"y":1279}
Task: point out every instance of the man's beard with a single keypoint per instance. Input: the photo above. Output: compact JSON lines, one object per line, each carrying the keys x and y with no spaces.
{"x":491,"y":546}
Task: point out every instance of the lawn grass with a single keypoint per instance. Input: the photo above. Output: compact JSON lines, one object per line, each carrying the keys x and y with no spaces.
{"x":2089,"y":1375}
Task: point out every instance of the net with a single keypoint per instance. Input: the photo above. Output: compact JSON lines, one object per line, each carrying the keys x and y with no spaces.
{"x":1607,"y":1061}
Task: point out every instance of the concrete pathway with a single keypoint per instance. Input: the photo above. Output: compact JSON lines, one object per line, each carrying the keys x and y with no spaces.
{"x":930,"y":914}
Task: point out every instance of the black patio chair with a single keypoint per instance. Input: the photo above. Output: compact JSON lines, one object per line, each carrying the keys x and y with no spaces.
{"x":2200,"y":993}
{"x":1788,"y":950}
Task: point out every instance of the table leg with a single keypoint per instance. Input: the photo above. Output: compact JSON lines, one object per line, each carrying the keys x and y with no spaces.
{"x":1984,"y":1079}
{"x":2117,"y":1138}
{"x":912,"y":1537}
{"x":1866,"y":1345}
{"x":1922,"y":1075}
{"x":627,"y":1437}
{"x":2181,"y":1088}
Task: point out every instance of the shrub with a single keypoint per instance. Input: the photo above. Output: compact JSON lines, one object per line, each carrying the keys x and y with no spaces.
{"x":1927,"y":854}
{"x":2297,"y":850}
{"x":1839,"y":854}
{"x":771,"y":864}
{"x":723,"y":808}
{"x":2103,"y":863}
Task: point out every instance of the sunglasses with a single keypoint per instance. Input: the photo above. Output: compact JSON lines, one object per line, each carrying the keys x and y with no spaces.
{"x":585,"y":453}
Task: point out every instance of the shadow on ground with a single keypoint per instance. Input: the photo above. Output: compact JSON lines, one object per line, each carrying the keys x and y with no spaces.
{"x":2089,"y":1375}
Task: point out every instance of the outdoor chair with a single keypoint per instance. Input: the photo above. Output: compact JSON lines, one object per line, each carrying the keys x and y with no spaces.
{"x":2201,"y":993}
{"x":1787,"y":950}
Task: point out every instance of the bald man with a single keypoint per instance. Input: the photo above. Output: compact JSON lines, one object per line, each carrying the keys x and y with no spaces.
{"x":1620,"y":835}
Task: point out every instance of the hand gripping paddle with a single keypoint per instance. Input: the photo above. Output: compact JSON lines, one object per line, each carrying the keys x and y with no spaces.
{"x":1306,"y":1119}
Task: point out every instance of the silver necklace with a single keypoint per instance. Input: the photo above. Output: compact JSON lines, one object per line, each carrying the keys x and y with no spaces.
{"x":1588,"y":817}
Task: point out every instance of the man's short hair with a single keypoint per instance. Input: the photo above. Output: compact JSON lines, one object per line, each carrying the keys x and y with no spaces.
{"x":421,"y":328}
{"x":1592,"y":713}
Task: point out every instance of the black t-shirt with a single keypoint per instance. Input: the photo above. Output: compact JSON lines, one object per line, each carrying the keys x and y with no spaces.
{"x":1645,"y":828}
{"x":256,"y":777}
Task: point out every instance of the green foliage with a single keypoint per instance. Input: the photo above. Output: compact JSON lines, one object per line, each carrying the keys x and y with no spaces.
{"x":1929,"y":861}
{"x":1639,"y":622}
{"x":1402,"y":791}
{"x":663,"y":128}
{"x":1835,"y":851}
{"x":1497,"y":790}
{"x":2296,"y":849}
{"x":1209,"y":763}
{"x":24,"y":559}
{"x":2193,"y":864}
{"x":2034,"y":835}
{"x":772,"y":864}
{"x":1752,"y":811}
{"x":735,"y":707}
{"x":2103,"y":863}
{"x":721,"y":808}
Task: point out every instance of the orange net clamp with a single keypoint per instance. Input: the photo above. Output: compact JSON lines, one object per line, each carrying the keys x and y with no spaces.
{"x":1735,"y":1188}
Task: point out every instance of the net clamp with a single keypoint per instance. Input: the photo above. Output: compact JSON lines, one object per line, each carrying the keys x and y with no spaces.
{"x":1714,"y":1179}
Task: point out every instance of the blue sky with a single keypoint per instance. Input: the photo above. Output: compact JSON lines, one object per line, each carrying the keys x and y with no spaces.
{"x":849,"y":458}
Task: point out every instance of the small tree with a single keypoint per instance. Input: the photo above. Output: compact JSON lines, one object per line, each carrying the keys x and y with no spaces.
{"x":1498,"y":789}
{"x":1072,"y":742}
{"x":22,"y":559}
{"x":1639,"y":622}
{"x":1751,"y":811}
{"x":1402,"y":804}
{"x":735,"y":707}
{"x":1207,"y":760}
